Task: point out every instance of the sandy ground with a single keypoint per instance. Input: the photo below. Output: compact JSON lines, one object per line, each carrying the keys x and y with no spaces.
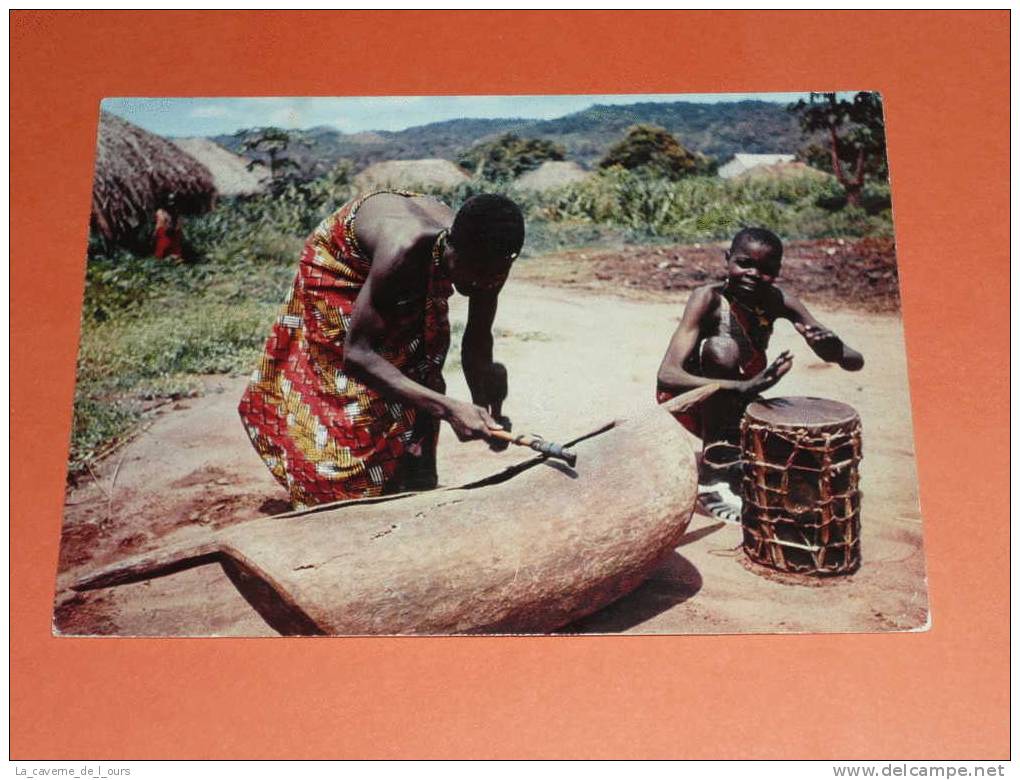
{"x":576,"y":359}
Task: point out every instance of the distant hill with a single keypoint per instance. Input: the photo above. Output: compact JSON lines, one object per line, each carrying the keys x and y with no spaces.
{"x":716,"y":129}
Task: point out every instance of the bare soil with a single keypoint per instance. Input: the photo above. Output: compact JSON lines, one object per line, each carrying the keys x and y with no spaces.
{"x":580,"y":352}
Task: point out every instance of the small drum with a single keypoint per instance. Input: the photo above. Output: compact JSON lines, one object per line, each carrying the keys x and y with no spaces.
{"x":802,"y":503}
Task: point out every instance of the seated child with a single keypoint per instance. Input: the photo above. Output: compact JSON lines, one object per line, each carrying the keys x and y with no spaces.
{"x":722,"y":339}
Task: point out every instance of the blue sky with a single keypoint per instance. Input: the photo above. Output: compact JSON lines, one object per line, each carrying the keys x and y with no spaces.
{"x":212,"y":116}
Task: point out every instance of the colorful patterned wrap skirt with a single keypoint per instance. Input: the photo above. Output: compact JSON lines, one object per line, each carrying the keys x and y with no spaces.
{"x":324,"y":435}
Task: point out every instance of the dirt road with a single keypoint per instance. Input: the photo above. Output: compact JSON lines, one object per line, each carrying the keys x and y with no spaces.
{"x":576,"y":359}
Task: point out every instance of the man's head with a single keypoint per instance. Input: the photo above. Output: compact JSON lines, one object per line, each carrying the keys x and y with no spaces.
{"x":486,"y":237}
{"x":753,"y":260}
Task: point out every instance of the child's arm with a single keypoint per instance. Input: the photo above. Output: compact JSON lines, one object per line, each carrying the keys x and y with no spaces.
{"x":823,"y":342}
{"x":674,"y":379}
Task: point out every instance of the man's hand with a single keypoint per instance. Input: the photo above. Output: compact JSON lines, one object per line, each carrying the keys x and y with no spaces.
{"x":489,"y":387}
{"x":469,"y":421}
{"x":759,"y":383}
{"x":489,"y":390}
{"x":823,"y":342}
{"x":498,"y":445}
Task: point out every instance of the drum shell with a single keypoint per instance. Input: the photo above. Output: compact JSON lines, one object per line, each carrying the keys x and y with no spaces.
{"x":801,"y":488}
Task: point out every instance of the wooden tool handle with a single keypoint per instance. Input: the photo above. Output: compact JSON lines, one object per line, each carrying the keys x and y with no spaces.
{"x":685,"y":401}
{"x":514,"y":438}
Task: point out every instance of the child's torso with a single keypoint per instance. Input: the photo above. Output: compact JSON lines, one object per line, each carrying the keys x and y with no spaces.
{"x":749,"y":325}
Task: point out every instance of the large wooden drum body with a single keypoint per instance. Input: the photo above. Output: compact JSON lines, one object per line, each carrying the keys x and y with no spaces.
{"x":530,"y":549}
{"x":802,"y":501}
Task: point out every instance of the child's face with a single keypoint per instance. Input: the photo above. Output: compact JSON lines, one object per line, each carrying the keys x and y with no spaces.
{"x":752,"y":268}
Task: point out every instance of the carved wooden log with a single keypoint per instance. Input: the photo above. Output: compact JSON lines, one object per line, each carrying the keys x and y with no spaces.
{"x":528,"y":550}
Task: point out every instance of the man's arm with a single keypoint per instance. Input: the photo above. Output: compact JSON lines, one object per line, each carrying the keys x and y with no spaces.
{"x":476,"y":349}
{"x":362,"y":359}
{"x":823,"y":342}
{"x":674,"y":379}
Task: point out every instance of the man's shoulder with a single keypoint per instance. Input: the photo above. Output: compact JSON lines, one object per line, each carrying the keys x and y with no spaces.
{"x":395,"y":224}
{"x":406,"y":208}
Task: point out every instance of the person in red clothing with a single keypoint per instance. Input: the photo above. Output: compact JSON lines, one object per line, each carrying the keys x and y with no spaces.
{"x":347,"y":397}
{"x":168,"y":233}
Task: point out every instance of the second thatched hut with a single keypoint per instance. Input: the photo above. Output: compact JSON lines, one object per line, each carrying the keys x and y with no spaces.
{"x":231,"y":173}
{"x":410,"y":175}
{"x":551,"y":175}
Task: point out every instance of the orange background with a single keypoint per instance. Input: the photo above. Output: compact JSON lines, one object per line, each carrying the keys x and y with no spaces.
{"x":945,"y":693}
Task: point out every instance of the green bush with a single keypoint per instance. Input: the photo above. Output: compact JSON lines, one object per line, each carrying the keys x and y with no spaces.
{"x":508,"y":156}
{"x":876,"y":198}
{"x":707,"y":208}
{"x":654,"y":151}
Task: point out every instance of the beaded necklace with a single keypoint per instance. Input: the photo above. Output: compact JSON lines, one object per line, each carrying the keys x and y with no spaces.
{"x":439,"y":248}
{"x":759,"y":312}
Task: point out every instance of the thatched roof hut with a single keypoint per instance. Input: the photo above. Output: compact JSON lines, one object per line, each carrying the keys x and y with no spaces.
{"x":794,"y":169}
{"x":743,"y":162}
{"x":230,"y":172}
{"x":410,"y":175}
{"x":136,"y":172}
{"x":550,"y":175}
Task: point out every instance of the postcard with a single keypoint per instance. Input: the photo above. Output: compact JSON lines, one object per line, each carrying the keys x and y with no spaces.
{"x":491,"y":365}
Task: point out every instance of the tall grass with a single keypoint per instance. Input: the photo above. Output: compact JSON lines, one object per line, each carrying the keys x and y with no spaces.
{"x":698,"y":208}
{"x":151,"y":328}
{"x":702,"y":208}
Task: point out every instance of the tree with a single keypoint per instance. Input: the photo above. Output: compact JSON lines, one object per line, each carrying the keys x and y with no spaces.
{"x":271,"y":142}
{"x":654,"y":149}
{"x":508,"y":156}
{"x":854,"y":137}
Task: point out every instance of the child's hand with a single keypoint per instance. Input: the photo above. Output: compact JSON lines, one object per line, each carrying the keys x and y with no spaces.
{"x":823,"y":342}
{"x":766,"y":379}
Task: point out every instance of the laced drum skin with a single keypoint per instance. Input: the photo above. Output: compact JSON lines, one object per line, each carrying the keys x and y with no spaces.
{"x":802,"y":501}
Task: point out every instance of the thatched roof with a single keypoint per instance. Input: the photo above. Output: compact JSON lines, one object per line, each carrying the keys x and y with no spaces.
{"x":229,"y":171}
{"x":409,"y":174}
{"x":550,"y":175}
{"x":745,"y":161}
{"x":135,"y":172}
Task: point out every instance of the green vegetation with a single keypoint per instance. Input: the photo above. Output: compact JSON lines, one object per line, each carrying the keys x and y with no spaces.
{"x":271,"y":144}
{"x":151,"y":328}
{"x":705,"y":208}
{"x":508,"y":157}
{"x":655,"y":152}
{"x":853,"y":133}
